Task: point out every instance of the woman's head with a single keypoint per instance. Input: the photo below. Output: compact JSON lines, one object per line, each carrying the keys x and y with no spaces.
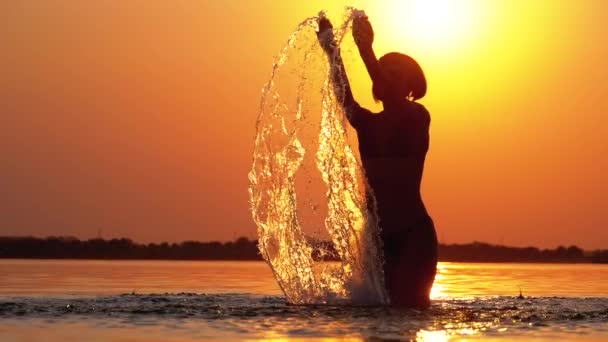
{"x":403,"y":76}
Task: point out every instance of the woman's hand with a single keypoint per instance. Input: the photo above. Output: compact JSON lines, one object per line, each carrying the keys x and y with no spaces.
{"x":325,"y":35}
{"x":363,"y":32}
{"x":364,"y":38}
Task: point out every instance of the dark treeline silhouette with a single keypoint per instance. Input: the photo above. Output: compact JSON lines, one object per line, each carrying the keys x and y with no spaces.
{"x":72,"y":248}
{"x":480,"y":252}
{"x":245,"y":249}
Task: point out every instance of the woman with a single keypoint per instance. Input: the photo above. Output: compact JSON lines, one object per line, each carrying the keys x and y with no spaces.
{"x":393,"y":146}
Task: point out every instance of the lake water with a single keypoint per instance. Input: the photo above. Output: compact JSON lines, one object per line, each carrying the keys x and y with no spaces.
{"x":50,"y":300}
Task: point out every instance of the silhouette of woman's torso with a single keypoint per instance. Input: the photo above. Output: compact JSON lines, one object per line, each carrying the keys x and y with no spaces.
{"x":393,"y":146}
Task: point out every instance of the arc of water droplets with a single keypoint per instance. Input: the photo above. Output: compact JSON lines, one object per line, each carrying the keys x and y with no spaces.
{"x":278,"y":154}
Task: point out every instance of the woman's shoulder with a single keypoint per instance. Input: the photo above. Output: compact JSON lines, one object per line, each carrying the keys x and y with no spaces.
{"x":421,"y":113}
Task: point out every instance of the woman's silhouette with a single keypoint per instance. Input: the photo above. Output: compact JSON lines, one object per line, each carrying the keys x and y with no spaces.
{"x":393,"y":146}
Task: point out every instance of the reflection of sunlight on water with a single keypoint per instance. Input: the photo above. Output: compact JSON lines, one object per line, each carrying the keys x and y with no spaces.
{"x":470,"y":280}
{"x":301,"y":339}
{"x":431,"y":336}
{"x":273,"y":336}
{"x":480,"y":304}
{"x":451,"y":331}
{"x":438,"y":290}
{"x":421,"y":336}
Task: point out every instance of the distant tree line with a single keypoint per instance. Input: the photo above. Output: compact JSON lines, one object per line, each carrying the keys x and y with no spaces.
{"x":245,"y":249}
{"x":73,"y":248}
{"x":480,"y":252}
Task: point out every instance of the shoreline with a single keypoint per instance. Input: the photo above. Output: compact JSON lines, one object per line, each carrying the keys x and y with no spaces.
{"x":243,"y":249}
{"x":261,"y":260}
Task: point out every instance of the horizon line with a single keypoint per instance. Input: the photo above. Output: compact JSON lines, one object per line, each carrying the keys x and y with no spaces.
{"x":68,"y":237}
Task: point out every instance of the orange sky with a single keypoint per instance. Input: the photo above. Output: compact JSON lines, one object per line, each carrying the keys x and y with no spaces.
{"x":136,"y":118}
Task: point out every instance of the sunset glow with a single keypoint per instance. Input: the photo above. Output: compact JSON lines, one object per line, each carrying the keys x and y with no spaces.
{"x":219,"y":170}
{"x":439,"y":23}
{"x":139,"y":119}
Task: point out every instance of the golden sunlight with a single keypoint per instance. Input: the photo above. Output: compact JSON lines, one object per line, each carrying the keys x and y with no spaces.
{"x":437,"y":23}
{"x":432,"y":336}
{"x":439,"y":290}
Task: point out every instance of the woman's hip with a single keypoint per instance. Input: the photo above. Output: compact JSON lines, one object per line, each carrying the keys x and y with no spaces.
{"x":415,"y":242}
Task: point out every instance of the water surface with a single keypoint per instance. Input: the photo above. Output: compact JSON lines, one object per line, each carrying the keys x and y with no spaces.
{"x":186,"y":301}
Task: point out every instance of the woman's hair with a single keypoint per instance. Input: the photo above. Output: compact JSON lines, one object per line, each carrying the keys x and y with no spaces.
{"x":404,"y":77}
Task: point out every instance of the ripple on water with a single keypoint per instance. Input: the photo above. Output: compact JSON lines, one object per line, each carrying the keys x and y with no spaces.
{"x":254,"y":315}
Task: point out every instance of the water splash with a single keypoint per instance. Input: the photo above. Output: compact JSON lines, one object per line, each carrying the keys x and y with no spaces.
{"x":282,"y":177}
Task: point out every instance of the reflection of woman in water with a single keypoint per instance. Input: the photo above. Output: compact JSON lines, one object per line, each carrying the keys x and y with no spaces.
{"x":393,"y":146}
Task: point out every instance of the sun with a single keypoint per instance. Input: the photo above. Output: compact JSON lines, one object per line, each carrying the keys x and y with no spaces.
{"x":437,"y":24}
{"x":432,"y":18}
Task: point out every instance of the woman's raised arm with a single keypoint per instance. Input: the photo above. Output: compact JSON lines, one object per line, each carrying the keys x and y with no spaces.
{"x":338,"y":76}
{"x":364,"y":38}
